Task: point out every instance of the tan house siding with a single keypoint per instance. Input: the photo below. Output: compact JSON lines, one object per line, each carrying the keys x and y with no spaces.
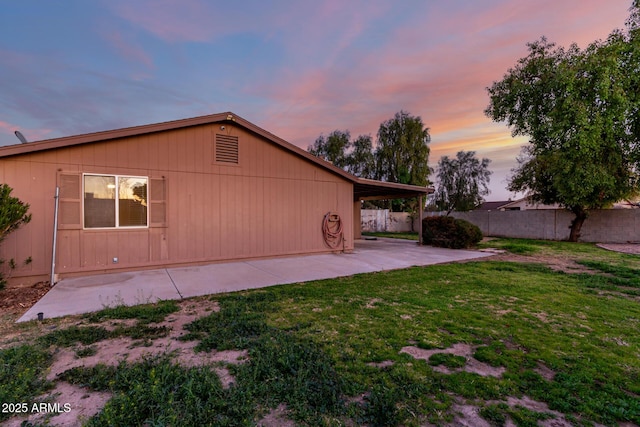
{"x":269,"y":204}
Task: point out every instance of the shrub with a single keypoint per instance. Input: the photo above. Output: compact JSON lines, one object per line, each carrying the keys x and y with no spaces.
{"x":448,"y":232}
{"x":13,"y":214}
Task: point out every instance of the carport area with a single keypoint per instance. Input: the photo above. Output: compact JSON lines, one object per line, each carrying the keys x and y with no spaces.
{"x":92,"y":293}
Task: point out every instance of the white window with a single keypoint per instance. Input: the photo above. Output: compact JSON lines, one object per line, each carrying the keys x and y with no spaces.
{"x":115,"y":201}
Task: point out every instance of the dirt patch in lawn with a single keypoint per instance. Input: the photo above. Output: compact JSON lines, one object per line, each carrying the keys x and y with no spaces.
{"x":460,"y":349}
{"x":554,"y":262}
{"x":85,"y":403}
{"x":277,"y":418}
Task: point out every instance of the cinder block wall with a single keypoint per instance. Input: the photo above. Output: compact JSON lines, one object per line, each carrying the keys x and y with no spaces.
{"x":606,"y":226}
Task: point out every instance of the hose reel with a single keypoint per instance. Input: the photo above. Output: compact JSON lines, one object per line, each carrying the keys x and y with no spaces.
{"x":332,"y":230}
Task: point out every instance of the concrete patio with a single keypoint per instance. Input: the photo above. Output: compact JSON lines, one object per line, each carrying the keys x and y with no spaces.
{"x":91,"y":293}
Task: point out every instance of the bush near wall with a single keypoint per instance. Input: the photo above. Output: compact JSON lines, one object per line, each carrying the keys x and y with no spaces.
{"x":13,"y":214}
{"x":448,"y":232}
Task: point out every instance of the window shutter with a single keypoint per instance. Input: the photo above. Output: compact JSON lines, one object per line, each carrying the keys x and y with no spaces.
{"x":226,"y":149}
{"x":157,"y":202}
{"x":70,"y":200}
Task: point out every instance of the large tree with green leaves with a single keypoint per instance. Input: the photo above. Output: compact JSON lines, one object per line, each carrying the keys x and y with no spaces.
{"x":333,"y":148}
{"x":462,"y":182}
{"x":354,"y":156}
{"x":402,"y":153}
{"x":361,"y":161}
{"x":579,"y":109}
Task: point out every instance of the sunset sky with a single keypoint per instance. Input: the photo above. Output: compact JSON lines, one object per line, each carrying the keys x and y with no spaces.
{"x":295,"y":68}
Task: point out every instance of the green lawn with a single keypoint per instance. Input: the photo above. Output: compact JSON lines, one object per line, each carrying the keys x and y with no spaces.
{"x":410,"y":235}
{"x":315,"y":346}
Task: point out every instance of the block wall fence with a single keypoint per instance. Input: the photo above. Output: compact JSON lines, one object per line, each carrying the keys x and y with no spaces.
{"x":603,"y":226}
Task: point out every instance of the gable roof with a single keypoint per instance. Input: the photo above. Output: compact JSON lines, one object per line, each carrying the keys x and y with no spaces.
{"x":490,"y":206}
{"x":363,"y":188}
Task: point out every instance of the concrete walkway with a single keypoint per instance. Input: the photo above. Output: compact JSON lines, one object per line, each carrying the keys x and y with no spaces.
{"x":92,"y":293}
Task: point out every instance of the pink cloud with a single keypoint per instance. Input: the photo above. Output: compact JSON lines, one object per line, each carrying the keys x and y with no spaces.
{"x":185,"y":20}
{"x":441,"y":79}
{"x":129,"y":49}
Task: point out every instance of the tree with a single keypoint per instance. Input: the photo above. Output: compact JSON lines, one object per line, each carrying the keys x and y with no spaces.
{"x":402,"y":154}
{"x":333,"y":148}
{"x":462,"y":182}
{"x":356,"y":157}
{"x":13,"y":214}
{"x":580,"y":110}
{"x":361,"y":161}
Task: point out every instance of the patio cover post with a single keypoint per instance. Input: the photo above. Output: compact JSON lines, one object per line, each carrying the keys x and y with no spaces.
{"x":420,"y":213}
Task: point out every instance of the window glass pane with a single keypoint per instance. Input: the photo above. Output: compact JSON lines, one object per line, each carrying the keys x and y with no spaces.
{"x":99,"y":201}
{"x":132,"y":202}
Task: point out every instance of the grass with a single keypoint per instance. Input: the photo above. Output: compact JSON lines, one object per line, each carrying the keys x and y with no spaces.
{"x":22,"y":371}
{"x":148,"y":313}
{"x":314,"y":346}
{"x":409,"y":235}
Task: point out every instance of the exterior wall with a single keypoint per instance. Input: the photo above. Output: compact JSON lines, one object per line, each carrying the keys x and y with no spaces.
{"x":605,"y":226}
{"x":271,"y":203}
{"x":382,"y":220}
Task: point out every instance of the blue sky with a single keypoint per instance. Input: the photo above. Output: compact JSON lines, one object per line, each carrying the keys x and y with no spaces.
{"x":296,"y":68}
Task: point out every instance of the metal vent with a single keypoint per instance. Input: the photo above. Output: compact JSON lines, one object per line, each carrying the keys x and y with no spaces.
{"x":226,"y":149}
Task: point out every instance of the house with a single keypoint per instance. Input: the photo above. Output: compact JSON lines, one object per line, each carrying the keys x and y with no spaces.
{"x":192,"y":191}
{"x":522,"y":204}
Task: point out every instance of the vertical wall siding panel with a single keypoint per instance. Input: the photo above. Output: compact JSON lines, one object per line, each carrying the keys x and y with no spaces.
{"x":138,"y":244}
{"x":257,"y":215}
{"x":69,"y":251}
{"x":182,"y":217}
{"x":214,"y":216}
{"x":88,"y":155}
{"x":113,"y":247}
{"x":206,"y":199}
{"x":235,"y":215}
{"x":254,"y":218}
{"x":152,"y":152}
{"x":156,"y":242}
{"x":249,"y":164}
{"x":225,"y":224}
{"x":267,"y":230}
{"x":180,"y":143}
{"x":44,"y":183}
{"x":73,"y":155}
{"x":89,"y":251}
{"x":200,"y":204}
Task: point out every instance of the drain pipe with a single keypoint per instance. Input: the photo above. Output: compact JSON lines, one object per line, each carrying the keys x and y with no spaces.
{"x":55,"y":238}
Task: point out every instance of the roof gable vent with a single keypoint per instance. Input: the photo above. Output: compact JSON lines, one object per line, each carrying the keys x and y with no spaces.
{"x":226,"y":149}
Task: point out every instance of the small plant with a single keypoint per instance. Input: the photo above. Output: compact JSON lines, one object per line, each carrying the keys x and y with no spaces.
{"x":148,"y":313}
{"x":495,"y":414}
{"x":451,"y":361}
{"x":86,"y":351}
{"x":448,"y":232}
{"x":74,"y":334}
{"x":22,"y":375}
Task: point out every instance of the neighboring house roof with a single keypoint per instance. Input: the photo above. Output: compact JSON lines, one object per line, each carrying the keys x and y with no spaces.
{"x":492,"y":206}
{"x":363,"y":188}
